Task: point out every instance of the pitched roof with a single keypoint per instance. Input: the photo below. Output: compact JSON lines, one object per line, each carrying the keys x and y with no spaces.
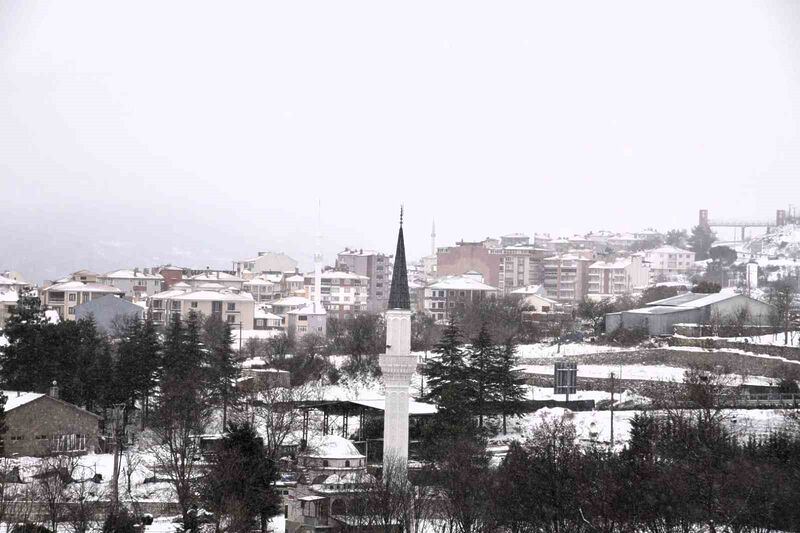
{"x":81,"y":286}
{"x":464,"y":283}
{"x":398,"y":294}
{"x":130,"y":274}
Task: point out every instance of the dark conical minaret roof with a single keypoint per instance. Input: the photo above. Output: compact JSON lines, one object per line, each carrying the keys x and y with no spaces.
{"x":398,"y":295}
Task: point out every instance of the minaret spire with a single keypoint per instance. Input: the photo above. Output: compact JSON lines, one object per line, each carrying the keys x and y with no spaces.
{"x":398,"y":294}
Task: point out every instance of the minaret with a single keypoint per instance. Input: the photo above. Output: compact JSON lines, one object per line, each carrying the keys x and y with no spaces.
{"x":433,"y":237}
{"x":318,"y":263}
{"x":397,"y":364}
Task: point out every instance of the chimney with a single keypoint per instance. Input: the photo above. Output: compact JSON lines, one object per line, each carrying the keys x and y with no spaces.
{"x":135,"y":270}
{"x":54,"y":390}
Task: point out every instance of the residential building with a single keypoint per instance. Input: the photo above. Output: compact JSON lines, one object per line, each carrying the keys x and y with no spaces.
{"x":667,"y":263}
{"x":514,"y":239}
{"x":264,"y":319}
{"x":374,"y":265}
{"x":264,"y":288}
{"x":608,"y":279}
{"x":293,"y":284}
{"x":8,"y":304}
{"x":660,"y":317}
{"x":470,"y":256}
{"x":134,"y":283}
{"x":566,"y":277}
{"x":342,"y":294}
{"x":290,"y":303}
{"x":520,"y":265}
{"x":12,"y":280}
{"x":170,"y":275}
{"x":308,"y":319}
{"x":40,"y":424}
{"x":536,"y":303}
{"x":227,"y":280}
{"x":109,"y":312}
{"x":233,"y":307}
{"x":453,"y":293}
{"x":66,"y":294}
{"x":266,"y":262}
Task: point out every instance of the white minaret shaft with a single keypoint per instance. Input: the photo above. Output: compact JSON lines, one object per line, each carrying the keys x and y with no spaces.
{"x":433,"y":237}
{"x":318,"y":263}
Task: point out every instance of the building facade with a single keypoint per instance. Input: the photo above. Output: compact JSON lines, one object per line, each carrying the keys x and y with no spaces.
{"x":135,"y":284}
{"x":470,"y":256}
{"x":343,"y":294}
{"x":608,"y":279}
{"x":668,"y":262}
{"x":373,"y":265}
{"x":65,"y":296}
{"x":453,"y":293}
{"x":232,"y":307}
{"x":566,"y":277}
{"x":266,"y":262}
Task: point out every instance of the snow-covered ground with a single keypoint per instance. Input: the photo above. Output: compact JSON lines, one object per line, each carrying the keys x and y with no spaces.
{"x":546,"y":350}
{"x":637,"y":372}
{"x":596,"y":425}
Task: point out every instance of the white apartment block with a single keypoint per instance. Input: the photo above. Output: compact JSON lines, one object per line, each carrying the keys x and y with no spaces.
{"x":669,"y":262}
{"x":134,"y":283}
{"x":453,"y":293}
{"x":375,"y":266}
{"x":266,"y":262}
{"x":232,"y":307}
{"x":608,"y":279}
{"x":65,"y":295}
{"x":520,"y":266}
{"x":228,"y":281}
{"x":263,"y":289}
{"x":343,"y":293}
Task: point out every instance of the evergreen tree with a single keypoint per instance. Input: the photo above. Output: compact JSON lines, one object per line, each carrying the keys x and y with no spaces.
{"x":700,"y":241}
{"x":446,"y":372}
{"x":240,"y":483}
{"x":26,"y":360}
{"x":3,"y":426}
{"x":222,"y":367}
{"x":482,"y":372}
{"x":677,"y":238}
{"x":511,"y":391}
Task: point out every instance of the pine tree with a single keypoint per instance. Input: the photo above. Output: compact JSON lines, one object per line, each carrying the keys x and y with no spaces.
{"x":222,"y":367}
{"x":25,"y":359}
{"x":510,"y":388}
{"x":240,"y":483}
{"x":446,"y":372}
{"x":3,"y":426}
{"x":701,"y":240}
{"x":482,"y":372}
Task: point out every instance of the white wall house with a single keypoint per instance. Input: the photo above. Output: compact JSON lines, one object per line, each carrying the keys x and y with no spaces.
{"x":134,"y":283}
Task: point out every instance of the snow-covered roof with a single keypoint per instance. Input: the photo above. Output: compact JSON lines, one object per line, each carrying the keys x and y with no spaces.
{"x":259,"y":281}
{"x":414,"y":407}
{"x":214,"y":296}
{"x":667,"y":249}
{"x":691,"y":300}
{"x":332,"y":447}
{"x":265,"y":315}
{"x":4,"y":281}
{"x":530,"y":289}
{"x":292,"y":301}
{"x":309,"y":309}
{"x":461,"y":283}
{"x":131,"y":274}
{"x":295,"y":277}
{"x":211,"y":286}
{"x":336,"y":274}
{"x":9,"y":296}
{"x":18,"y":398}
{"x":181,"y":285}
{"x":80,"y":286}
{"x":215,"y":276}
{"x":616,"y":264}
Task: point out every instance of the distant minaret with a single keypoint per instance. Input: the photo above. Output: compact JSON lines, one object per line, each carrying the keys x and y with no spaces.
{"x":433,"y":237}
{"x":397,"y":364}
{"x":318,"y":263}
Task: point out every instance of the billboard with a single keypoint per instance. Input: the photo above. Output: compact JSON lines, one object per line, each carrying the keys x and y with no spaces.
{"x":565,"y":378}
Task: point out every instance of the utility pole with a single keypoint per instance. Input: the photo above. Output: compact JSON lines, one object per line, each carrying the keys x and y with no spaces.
{"x":611,"y":443}
{"x":117,"y":424}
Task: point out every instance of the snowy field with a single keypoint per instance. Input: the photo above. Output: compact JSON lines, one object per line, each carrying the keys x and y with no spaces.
{"x":636,"y":372}
{"x":547,"y":350}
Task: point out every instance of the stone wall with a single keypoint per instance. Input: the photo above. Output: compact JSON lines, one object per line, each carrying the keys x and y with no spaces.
{"x":787,"y":352}
{"x":31,"y":426}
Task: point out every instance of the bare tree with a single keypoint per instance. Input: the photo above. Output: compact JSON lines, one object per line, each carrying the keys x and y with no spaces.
{"x":52,"y":490}
{"x":275,"y":413}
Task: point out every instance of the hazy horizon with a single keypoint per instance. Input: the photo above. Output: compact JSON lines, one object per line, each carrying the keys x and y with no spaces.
{"x":195,"y":133}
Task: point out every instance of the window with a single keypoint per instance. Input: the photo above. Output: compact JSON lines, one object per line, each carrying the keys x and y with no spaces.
{"x":41,"y":437}
{"x":231,"y":307}
{"x":15,"y":438}
{"x":231,"y":319}
{"x":71,"y":311}
{"x":72,"y":297}
{"x":259,"y":322}
{"x":176,"y":305}
{"x":69,"y":443}
{"x":347,"y":463}
{"x":194,"y":305}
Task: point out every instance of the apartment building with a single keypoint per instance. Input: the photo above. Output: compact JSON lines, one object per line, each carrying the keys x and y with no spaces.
{"x":8,"y":304}
{"x":668,"y":262}
{"x":266,"y":262}
{"x":343,"y":293}
{"x":64,"y":296}
{"x":293,"y":284}
{"x":608,"y":279}
{"x":453,"y":293}
{"x":520,"y":265}
{"x":566,"y":277}
{"x":263,"y":289}
{"x":373,"y":265}
{"x":134,"y":283}
{"x":470,"y":256}
{"x":227,"y":280}
{"x":233,"y":307}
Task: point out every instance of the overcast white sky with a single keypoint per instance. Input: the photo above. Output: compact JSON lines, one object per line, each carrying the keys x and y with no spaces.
{"x":194,"y":132}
